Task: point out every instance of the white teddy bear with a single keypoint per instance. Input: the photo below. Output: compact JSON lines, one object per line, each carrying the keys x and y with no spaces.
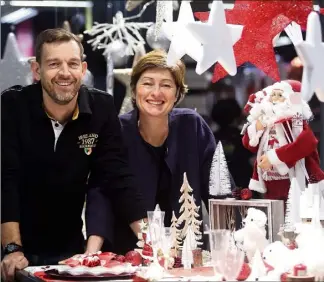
{"x":282,"y":259}
{"x":252,"y":236}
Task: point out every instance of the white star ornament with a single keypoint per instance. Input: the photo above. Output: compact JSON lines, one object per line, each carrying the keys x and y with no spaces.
{"x":311,"y":52}
{"x":14,"y":68}
{"x":217,"y":39}
{"x":182,"y":41}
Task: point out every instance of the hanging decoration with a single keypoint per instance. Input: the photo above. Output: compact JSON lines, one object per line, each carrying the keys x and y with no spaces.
{"x":161,"y":42}
{"x":109,"y":75}
{"x":182,"y":41}
{"x":164,"y":12}
{"x":311,"y":54}
{"x":217,"y":39}
{"x":133,"y":4}
{"x":124,"y":76}
{"x":121,"y":31}
{"x":262,"y":21}
{"x":14,"y":68}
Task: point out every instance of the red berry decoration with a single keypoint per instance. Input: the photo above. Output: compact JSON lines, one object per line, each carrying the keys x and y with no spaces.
{"x":246,"y":194}
{"x":134,"y":258}
{"x":147,"y":250}
{"x":120,"y":258}
{"x":283,"y":277}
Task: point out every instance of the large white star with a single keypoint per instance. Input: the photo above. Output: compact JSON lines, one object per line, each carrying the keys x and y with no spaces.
{"x":182,"y":41}
{"x":311,"y":53}
{"x":14,"y":69}
{"x":217,"y":39}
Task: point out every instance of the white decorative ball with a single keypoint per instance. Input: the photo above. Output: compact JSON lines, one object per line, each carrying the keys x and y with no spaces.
{"x":117,"y":50}
{"x":161,"y":42}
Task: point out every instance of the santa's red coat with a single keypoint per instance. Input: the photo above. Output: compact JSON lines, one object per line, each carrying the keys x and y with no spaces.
{"x":305,"y":146}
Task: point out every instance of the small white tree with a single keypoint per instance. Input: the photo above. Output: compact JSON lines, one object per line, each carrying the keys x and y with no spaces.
{"x":175,"y":233}
{"x":185,"y":200}
{"x":219,"y":179}
{"x":292,"y":215}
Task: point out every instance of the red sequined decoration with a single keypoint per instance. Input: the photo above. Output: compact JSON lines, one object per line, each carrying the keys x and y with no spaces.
{"x":262,"y":21}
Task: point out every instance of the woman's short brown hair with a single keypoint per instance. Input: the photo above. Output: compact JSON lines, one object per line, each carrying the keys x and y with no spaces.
{"x":55,"y":35}
{"x":158,"y":59}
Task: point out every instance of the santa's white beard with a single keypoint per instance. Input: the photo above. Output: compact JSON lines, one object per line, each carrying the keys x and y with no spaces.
{"x":269,"y":113}
{"x":282,"y":110}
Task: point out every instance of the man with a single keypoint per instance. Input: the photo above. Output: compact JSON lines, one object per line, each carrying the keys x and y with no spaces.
{"x":279,"y":133}
{"x":60,"y":142}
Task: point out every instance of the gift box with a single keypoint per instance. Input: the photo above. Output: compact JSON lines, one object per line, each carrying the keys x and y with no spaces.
{"x":228,"y":214}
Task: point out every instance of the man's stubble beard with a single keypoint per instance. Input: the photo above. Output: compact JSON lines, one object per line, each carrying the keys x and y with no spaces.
{"x":62,"y":99}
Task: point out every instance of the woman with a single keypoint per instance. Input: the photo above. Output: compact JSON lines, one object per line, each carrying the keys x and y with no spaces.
{"x":164,"y":142}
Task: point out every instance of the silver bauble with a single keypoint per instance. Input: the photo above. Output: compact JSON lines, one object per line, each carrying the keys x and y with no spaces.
{"x":117,"y":50}
{"x":162,"y":42}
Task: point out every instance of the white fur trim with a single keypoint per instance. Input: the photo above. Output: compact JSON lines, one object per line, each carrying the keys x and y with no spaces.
{"x":259,"y":96}
{"x":285,"y":87}
{"x":268,"y":89}
{"x":254,"y":135}
{"x":257,"y":186}
{"x":252,"y":129}
{"x":281,"y":167}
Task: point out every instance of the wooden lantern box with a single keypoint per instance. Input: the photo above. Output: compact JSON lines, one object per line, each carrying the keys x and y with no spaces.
{"x":228,"y":214}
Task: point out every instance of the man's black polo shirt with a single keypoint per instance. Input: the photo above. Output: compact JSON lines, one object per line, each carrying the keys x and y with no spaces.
{"x":44,"y":190}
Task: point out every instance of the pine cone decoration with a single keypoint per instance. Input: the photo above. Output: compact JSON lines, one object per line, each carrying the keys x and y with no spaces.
{"x":177,"y":262}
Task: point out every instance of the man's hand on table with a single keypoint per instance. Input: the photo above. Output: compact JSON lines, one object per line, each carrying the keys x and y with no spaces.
{"x":11,"y":263}
{"x":94,"y":245}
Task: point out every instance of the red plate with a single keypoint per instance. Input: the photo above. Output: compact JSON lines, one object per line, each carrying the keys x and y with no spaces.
{"x":53,"y":273}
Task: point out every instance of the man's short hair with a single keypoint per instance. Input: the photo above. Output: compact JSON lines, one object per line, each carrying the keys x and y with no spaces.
{"x":55,"y":35}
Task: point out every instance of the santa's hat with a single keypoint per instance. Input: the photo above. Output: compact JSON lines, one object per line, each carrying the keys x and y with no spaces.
{"x":285,"y":87}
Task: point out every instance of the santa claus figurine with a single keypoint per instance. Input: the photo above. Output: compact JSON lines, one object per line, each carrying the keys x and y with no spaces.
{"x":278,"y":131}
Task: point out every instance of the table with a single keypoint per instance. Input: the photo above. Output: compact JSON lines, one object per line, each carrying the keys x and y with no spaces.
{"x":182,"y":275}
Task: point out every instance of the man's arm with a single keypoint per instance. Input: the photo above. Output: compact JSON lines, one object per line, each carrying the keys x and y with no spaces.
{"x":99,"y":220}
{"x":10,"y":233}
{"x":110,"y":171}
{"x":10,"y":210}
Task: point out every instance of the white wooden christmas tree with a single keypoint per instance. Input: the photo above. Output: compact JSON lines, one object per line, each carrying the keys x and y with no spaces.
{"x":185,"y":201}
{"x":219,"y":179}
{"x":194,"y":222}
{"x":188,"y":245}
{"x":175,"y":233}
{"x":292,"y":216}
